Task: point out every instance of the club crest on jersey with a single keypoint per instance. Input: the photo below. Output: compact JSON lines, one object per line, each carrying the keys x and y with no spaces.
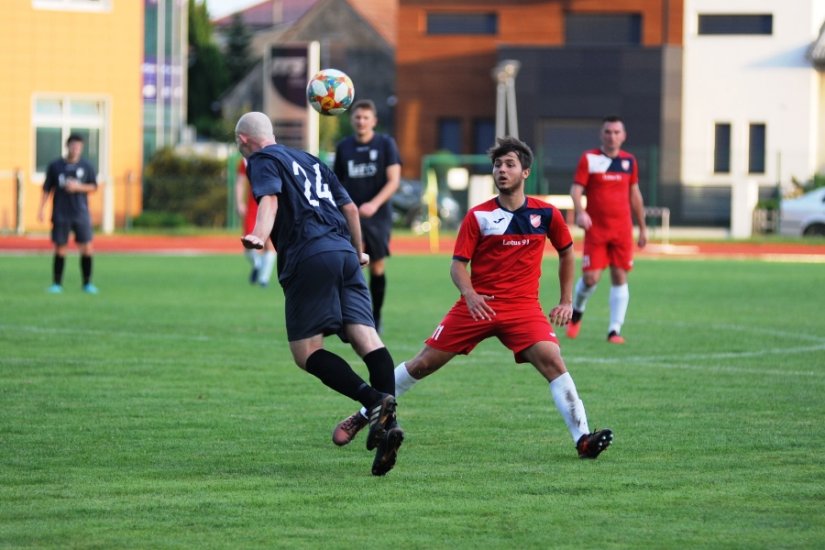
{"x":625,"y":165}
{"x":373,"y":154}
{"x":535,"y":220}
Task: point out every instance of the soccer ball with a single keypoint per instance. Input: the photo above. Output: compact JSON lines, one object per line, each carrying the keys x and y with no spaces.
{"x":330,"y":92}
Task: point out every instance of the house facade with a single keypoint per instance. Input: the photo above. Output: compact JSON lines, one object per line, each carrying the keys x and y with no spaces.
{"x":81,"y":66}
{"x":68,"y":66}
{"x":753,"y":109}
{"x":355,"y":36}
{"x":578,"y":61}
{"x":673,"y":69}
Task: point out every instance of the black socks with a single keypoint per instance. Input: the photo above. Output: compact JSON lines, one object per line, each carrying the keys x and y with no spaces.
{"x":378,"y":285}
{"x":57,"y":269}
{"x":86,"y":269}
{"x":382,"y":370}
{"x":336,"y":373}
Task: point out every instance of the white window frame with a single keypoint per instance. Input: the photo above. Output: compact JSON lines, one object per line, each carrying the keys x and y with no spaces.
{"x":94,"y":6}
{"x":67,"y":121}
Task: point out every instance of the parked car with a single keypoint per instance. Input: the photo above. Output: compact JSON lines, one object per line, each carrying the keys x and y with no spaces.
{"x":408,"y":206}
{"x":407,"y":203}
{"x":803,"y":215}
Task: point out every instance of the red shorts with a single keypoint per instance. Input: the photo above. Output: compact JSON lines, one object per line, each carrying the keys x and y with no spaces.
{"x":517,"y":326}
{"x":251,"y":214}
{"x":603,"y":247}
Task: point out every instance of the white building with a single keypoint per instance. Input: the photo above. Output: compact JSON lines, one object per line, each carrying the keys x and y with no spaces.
{"x":753,"y":100}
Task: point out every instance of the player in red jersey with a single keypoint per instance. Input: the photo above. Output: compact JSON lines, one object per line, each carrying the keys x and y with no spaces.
{"x":262,"y":261}
{"x":610,"y":179}
{"x":504,"y":239}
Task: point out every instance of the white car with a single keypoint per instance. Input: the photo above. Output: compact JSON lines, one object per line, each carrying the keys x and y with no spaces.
{"x":803,"y":215}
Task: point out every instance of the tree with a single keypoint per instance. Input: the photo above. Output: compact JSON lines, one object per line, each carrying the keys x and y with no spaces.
{"x":207,"y":74}
{"x":238,"y":59}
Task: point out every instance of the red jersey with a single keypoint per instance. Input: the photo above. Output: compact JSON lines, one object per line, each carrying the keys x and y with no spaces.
{"x":505,"y":249}
{"x":607,"y":182}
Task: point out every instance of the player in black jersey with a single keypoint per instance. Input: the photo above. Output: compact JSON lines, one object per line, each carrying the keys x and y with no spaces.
{"x":315,"y":227}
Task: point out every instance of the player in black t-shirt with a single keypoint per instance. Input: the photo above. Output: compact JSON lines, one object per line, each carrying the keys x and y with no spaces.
{"x":314,"y":224}
{"x":369,"y":167}
{"x":70,"y":179}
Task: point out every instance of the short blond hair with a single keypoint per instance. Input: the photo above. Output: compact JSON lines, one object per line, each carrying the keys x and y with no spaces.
{"x":256,"y":125}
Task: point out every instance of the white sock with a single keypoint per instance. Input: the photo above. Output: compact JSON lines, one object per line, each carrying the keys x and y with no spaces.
{"x":619,"y":298}
{"x":267,"y":265}
{"x":569,"y":405}
{"x":403,"y":383}
{"x":253,"y":257}
{"x":582,"y":294}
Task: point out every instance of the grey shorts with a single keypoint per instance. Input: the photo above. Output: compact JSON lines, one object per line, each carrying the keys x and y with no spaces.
{"x":82,"y":229}
{"x":327,"y":292}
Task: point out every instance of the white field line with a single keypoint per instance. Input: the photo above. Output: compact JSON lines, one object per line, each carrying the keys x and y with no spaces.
{"x":701,"y":361}
{"x":711,"y":361}
{"x":30,"y":329}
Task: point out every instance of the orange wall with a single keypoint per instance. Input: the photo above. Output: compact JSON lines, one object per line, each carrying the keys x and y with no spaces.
{"x":74,"y":53}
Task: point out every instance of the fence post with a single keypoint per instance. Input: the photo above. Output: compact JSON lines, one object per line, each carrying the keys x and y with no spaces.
{"x":18,"y":180}
{"x":653,"y":177}
{"x":127,"y":217}
{"x":232,"y":218}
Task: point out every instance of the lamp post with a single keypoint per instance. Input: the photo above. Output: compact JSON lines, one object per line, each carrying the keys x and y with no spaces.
{"x":505,"y":75}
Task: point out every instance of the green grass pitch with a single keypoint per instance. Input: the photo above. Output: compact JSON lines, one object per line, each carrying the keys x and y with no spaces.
{"x":166,"y":413}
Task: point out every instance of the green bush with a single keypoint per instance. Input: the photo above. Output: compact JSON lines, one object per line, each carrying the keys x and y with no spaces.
{"x":153,"y":220}
{"x":191,"y":187}
{"x":768,"y":204}
{"x":802,"y":187}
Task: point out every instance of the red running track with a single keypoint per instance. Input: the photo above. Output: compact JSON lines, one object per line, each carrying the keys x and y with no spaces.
{"x":403,"y":244}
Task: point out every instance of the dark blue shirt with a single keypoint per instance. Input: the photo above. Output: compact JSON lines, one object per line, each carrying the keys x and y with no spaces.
{"x":69,"y":206}
{"x":308,"y":220}
{"x":362,"y":169}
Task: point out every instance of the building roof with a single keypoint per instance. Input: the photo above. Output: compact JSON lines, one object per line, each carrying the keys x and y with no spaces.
{"x":269,"y":13}
{"x":380,"y":14}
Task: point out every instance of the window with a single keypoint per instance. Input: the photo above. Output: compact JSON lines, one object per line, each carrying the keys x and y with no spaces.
{"x":484,"y":135}
{"x":756,"y":149}
{"x":449,"y":135}
{"x":721,"y":149}
{"x":561,"y":143}
{"x":584,"y":29}
{"x":72,"y":5}
{"x":55,"y":118}
{"x":736,"y":24}
{"x":462,"y":23}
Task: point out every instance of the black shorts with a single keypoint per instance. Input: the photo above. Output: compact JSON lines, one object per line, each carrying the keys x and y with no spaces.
{"x":82,"y":229}
{"x":376,"y":237}
{"x":327,"y":292}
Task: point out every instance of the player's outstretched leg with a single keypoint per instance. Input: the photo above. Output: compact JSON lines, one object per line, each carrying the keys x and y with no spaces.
{"x":385,"y":435}
{"x":581,"y":295}
{"x":614,"y":337}
{"x":592,"y":444}
{"x":387,"y":452}
{"x":575,"y":324}
{"x":381,"y":419}
{"x":347,"y":429}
